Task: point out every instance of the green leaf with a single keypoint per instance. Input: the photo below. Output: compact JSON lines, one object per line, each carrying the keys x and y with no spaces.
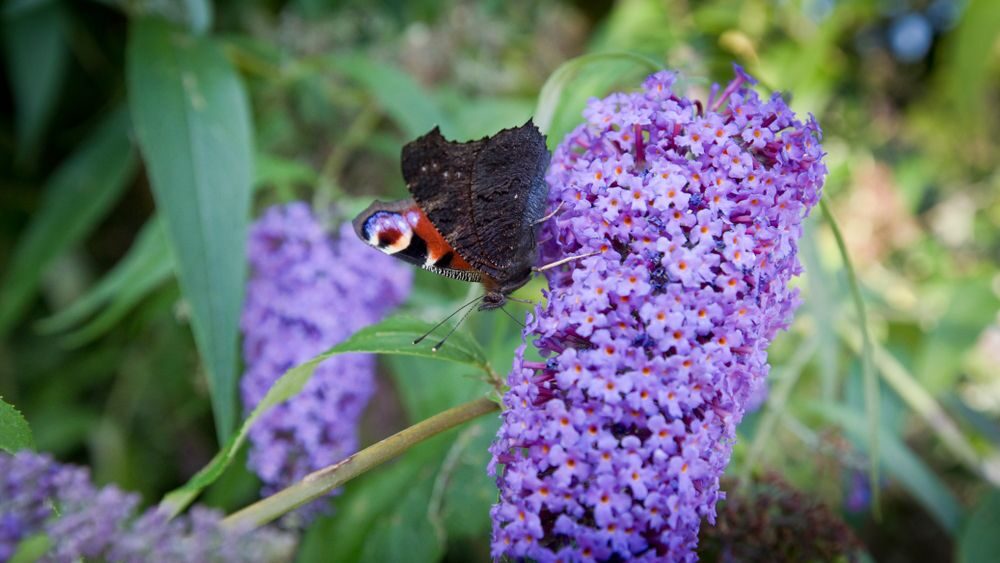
{"x":404,"y":532}
{"x":143,"y":268}
{"x":77,"y":196}
{"x":900,"y":463}
{"x":192,"y":121}
{"x":282,"y":173}
{"x":870,"y":378}
{"x":979,"y":540}
{"x":31,"y":549}
{"x":552,"y":105}
{"x":395,"y":335}
{"x":398,"y":94}
{"x":37,"y":53}
{"x":15,"y":434}
{"x":965,"y":74}
{"x":469,"y":489}
{"x":392,"y":336}
{"x":198,"y":14}
{"x":342,"y":537}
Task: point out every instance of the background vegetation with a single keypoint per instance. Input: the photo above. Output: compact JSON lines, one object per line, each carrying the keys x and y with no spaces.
{"x":110,"y":344}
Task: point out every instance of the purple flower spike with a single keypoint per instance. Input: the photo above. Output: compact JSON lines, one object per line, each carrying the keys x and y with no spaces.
{"x":613,"y":448}
{"x":307,"y":293}
{"x":39,"y":496}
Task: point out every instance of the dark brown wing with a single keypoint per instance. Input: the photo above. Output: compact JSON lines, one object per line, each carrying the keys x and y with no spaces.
{"x":439,"y":175}
{"x":483,"y":196}
{"x":509,"y":198}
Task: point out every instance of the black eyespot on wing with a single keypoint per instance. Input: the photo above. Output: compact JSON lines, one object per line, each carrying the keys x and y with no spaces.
{"x":415,"y":252}
{"x":388,"y":237}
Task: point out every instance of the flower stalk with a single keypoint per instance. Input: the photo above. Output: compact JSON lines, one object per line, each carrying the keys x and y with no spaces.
{"x":321,"y":482}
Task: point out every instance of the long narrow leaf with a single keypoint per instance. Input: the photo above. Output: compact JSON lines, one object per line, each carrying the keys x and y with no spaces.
{"x":192,"y":120}
{"x":918,"y":399}
{"x":392,"y":336}
{"x":37,"y":52}
{"x":550,"y":99}
{"x":398,"y":94}
{"x":902,"y":464}
{"x":868,"y":372}
{"x":77,"y":196}
{"x":146,"y":264}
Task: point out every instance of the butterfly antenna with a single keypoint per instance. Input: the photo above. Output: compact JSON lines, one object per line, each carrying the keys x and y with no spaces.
{"x":438,"y":346}
{"x":444,"y":320}
{"x":512,"y":317}
{"x":550,"y":215}
{"x":558,"y":263}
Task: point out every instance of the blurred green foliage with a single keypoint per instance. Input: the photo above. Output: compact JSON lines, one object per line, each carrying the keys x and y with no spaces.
{"x":117,"y":365}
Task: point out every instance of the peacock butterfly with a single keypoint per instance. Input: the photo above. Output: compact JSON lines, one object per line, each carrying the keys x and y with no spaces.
{"x":475,"y":209}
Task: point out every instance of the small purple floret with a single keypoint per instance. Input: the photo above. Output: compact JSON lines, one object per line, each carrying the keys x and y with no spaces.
{"x":39,"y":496}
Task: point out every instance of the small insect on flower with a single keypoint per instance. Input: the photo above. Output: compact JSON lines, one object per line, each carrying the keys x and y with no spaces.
{"x":474,"y":213}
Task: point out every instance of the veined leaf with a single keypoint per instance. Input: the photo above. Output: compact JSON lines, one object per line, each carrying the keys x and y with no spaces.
{"x":192,"y":120}
{"x":15,"y":434}
{"x":77,"y":196}
{"x":392,"y":336}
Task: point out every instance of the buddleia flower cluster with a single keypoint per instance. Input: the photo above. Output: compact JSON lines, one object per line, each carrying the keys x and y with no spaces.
{"x":42,"y":498}
{"x":612,"y":446}
{"x":309,"y":291}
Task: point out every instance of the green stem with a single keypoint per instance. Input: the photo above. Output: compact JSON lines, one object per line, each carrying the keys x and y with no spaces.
{"x":318,"y":483}
{"x":870,"y":380}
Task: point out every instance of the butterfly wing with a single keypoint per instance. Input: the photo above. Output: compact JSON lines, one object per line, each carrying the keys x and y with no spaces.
{"x":401,"y":229}
{"x":483,"y":196}
{"x":509,"y":198}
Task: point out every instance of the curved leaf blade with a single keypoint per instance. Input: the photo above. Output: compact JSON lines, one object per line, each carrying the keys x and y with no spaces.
{"x":397,"y":93}
{"x":192,"y":121}
{"x":870,"y":378}
{"x":900,"y":462}
{"x":77,"y":196}
{"x":392,"y":336}
{"x":550,"y":99}
{"x":146,"y":264}
{"x":37,"y":53}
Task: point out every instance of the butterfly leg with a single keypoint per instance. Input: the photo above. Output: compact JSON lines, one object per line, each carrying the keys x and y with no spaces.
{"x":566,"y":260}
{"x":550,"y":215}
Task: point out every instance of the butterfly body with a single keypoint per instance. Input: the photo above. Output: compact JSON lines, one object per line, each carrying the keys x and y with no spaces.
{"x":474,"y":212}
